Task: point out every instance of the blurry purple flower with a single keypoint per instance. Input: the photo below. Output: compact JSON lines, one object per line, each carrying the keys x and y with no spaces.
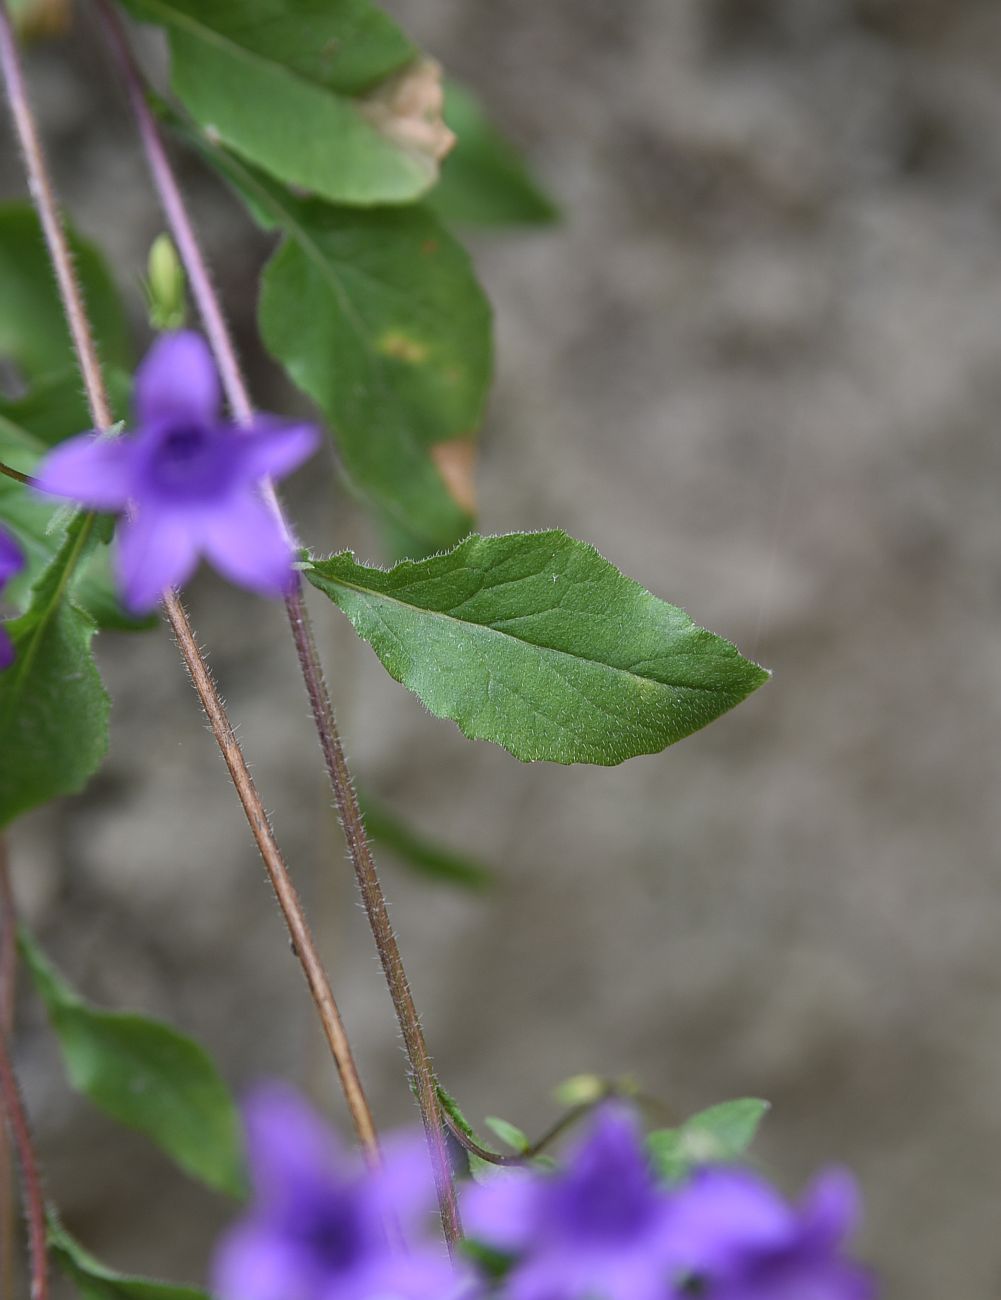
{"x":599,"y":1229}
{"x":189,"y":479}
{"x":11,"y":562}
{"x":317,"y":1225}
{"x":737,"y":1239}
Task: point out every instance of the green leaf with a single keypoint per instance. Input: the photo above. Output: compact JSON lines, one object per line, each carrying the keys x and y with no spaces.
{"x":146,"y":1075}
{"x":397,"y":352}
{"x":481,"y":1170}
{"x":535,"y":642}
{"x":53,"y":706}
{"x":423,"y":855}
{"x":508,"y":1133}
{"x":95,"y":1281}
{"x":484,"y":180}
{"x":281,"y":82}
{"x":33,"y":331}
{"x":720,"y":1134}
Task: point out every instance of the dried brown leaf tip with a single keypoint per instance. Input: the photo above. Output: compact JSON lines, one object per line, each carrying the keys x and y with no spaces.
{"x":407,"y":109}
{"x":456,"y":462}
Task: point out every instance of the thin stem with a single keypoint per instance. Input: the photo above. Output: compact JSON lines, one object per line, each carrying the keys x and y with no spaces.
{"x":14,"y":1112}
{"x":285,"y":891}
{"x":70,"y":294}
{"x":8,"y":990}
{"x":31,"y":1179}
{"x":16,"y":474}
{"x":188,"y":247}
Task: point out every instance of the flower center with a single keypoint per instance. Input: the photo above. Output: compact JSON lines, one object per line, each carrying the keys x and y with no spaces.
{"x":190,"y":461}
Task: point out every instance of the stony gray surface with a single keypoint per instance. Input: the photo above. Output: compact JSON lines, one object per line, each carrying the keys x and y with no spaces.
{"x":758,"y":367}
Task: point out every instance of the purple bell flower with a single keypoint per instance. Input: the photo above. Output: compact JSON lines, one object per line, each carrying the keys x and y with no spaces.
{"x":598,"y":1229}
{"x":323,"y":1227}
{"x":737,"y":1239}
{"x":11,"y":562}
{"x":188,"y":479}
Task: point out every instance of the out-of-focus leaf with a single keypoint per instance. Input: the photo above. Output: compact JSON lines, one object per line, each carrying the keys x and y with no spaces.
{"x":425,"y":856}
{"x":718,"y":1135}
{"x":537,"y":643}
{"x":146,"y":1075}
{"x":313,"y":91}
{"x":53,"y":706}
{"x":95,"y":1281}
{"x":33,"y":331}
{"x":484,"y":181}
{"x":508,"y":1133}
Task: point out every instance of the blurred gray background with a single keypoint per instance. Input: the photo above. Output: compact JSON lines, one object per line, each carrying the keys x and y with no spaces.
{"x":759,"y":367}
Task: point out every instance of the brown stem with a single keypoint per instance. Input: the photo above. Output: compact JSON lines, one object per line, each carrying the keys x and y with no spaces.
{"x":8,"y":976}
{"x":16,"y":474}
{"x":191,"y":255}
{"x":72,"y":299}
{"x":31,"y":1179}
{"x":15,"y":1115}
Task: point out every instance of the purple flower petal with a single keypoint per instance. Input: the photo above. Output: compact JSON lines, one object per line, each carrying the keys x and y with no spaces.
{"x":830,"y":1208}
{"x":503,"y":1212}
{"x":724,"y":1214}
{"x":288,"y":1144}
{"x":11,"y":557}
{"x":6,"y":650}
{"x":177,"y":381}
{"x":272,"y":449}
{"x":253,"y":1262}
{"x":91,"y":468}
{"x":155,"y":551}
{"x":247,"y":544}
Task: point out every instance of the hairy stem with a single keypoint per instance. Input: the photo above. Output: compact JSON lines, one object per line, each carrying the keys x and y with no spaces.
{"x":44,"y":198}
{"x":237,"y":394}
{"x":13,"y":1107}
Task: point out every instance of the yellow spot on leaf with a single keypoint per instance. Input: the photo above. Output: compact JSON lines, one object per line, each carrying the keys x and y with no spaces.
{"x":394,"y":343}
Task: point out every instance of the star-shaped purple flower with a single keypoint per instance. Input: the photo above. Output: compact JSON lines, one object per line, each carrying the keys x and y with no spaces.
{"x":737,"y":1239}
{"x":188,"y":480}
{"x":322,"y":1227}
{"x":11,"y":562}
{"x":599,"y":1227}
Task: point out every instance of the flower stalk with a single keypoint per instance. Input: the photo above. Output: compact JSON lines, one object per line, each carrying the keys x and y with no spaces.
{"x":346,"y":800}
{"x":44,"y":198}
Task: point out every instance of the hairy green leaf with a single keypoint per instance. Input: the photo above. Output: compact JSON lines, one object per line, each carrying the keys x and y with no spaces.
{"x":53,"y":706}
{"x":33,"y":332}
{"x":718,"y":1135}
{"x":484,"y":181}
{"x":95,"y":1281}
{"x":292,"y":85}
{"x":534,"y":641}
{"x":422,"y":855}
{"x":146,"y":1075}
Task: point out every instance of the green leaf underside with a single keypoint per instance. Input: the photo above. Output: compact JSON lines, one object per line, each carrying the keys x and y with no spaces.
{"x":535,"y":642}
{"x":53,"y":705}
{"x":484,"y":180}
{"x":422,"y":855}
{"x":145,"y":1075}
{"x":95,"y":1281}
{"x":33,"y":332}
{"x":277,"y":81}
{"x":720,"y":1134}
